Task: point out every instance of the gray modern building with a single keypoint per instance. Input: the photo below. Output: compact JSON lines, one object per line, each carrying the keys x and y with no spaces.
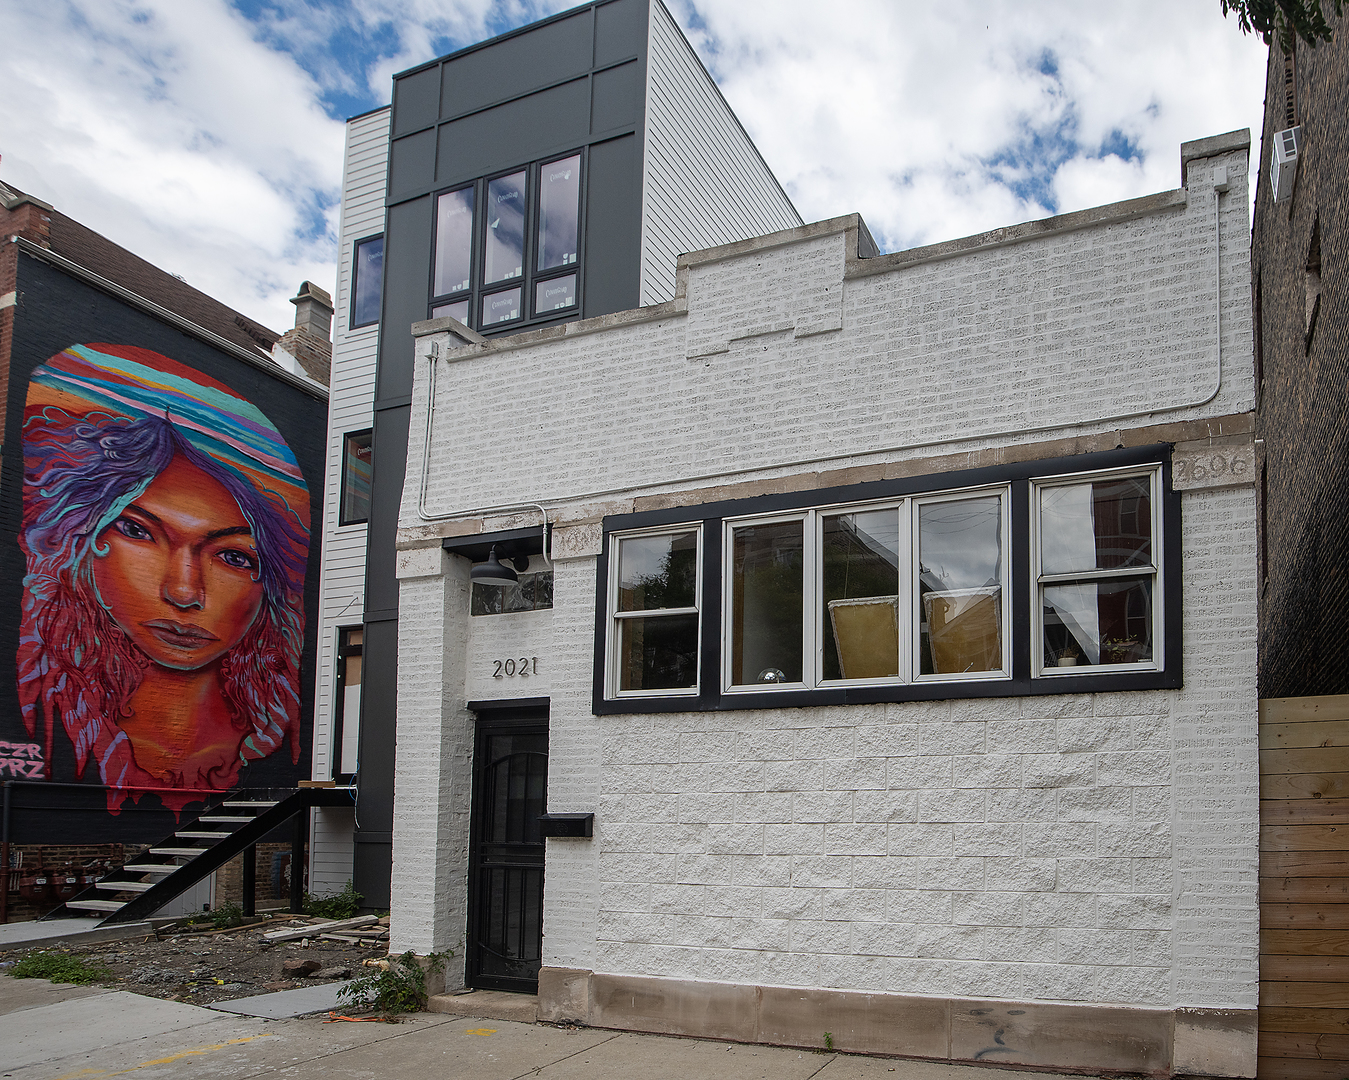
{"x":552,"y":174}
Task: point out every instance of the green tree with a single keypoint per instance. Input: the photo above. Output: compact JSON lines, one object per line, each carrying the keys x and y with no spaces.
{"x":1286,"y":20}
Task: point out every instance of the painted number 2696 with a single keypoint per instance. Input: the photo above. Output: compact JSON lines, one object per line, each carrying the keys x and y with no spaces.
{"x":509,"y":669}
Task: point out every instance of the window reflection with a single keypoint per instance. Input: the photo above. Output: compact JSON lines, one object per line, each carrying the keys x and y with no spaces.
{"x":658,"y":572}
{"x":766,"y":599}
{"x":559,"y":212}
{"x":457,"y":309}
{"x":658,"y":575}
{"x":368,"y":274}
{"x":860,"y":630}
{"x":555,"y":294}
{"x":960,"y":586}
{"x":505,"y":251}
{"x":500,"y":307}
{"x":1098,"y":622}
{"x":1103,"y":525}
{"x":454,"y":240}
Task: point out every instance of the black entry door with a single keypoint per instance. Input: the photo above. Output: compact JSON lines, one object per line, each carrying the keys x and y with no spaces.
{"x":505,"y":918}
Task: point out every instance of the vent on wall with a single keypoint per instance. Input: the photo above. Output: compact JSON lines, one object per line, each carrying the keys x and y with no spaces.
{"x":1283,"y":165}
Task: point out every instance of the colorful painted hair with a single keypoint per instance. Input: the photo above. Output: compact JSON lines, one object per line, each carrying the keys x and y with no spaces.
{"x":74,"y":663}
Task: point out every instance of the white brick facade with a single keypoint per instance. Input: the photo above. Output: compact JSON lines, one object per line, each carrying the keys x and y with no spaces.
{"x":1076,"y":848}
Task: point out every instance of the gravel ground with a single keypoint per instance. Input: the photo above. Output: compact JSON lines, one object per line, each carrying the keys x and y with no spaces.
{"x":181,"y":965}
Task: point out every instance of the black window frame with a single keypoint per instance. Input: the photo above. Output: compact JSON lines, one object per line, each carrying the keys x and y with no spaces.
{"x":342,"y":519}
{"x":343,"y":650}
{"x":530,"y":277}
{"x":356,"y":246}
{"x":1023,"y":682}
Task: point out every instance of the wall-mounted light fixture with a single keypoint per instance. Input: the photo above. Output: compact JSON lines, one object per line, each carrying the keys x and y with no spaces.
{"x":492,"y":572}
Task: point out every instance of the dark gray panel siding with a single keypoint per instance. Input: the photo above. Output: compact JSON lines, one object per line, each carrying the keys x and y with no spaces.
{"x":620,"y":30}
{"x":613,"y":219}
{"x":415,"y":98}
{"x":412,"y":163}
{"x":407,"y":268}
{"x":513,"y":133}
{"x":543,"y":56}
{"x":619,"y":97}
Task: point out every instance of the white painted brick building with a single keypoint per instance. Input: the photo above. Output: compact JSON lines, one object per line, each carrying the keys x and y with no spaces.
{"x":1044,"y":858}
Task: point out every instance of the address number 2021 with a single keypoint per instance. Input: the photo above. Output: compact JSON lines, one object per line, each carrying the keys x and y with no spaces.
{"x":523,"y":666}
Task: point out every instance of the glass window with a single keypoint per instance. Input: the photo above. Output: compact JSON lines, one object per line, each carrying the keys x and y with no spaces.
{"x":559,"y":213}
{"x":959,"y":586}
{"x":532,"y":592}
{"x":555,"y":294}
{"x":1097,"y":574}
{"x":505,"y":233}
{"x":454,"y":241}
{"x":500,"y":307}
{"x":859,"y":633}
{"x":367,"y":281}
{"x":654,"y":595}
{"x":348,"y":701}
{"x":456,"y":309}
{"x":767,"y":593}
{"x":356,"y":478}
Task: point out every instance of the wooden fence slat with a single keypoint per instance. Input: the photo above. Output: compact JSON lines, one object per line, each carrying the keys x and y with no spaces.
{"x":1277,"y":1068}
{"x":1292,"y":890}
{"x":1294,"y":736}
{"x":1301,"y":710}
{"x":1315,"y":760}
{"x":1304,"y":916}
{"x":1305,"y":942}
{"x":1314,"y":995}
{"x":1304,"y":838}
{"x":1289,"y":1018}
{"x":1305,"y":1045}
{"x":1320,"y":969}
{"x":1304,"y":811}
{"x":1323,"y":785}
{"x":1304,"y":863}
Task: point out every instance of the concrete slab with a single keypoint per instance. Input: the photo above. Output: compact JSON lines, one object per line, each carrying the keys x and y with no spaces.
{"x":662,"y":1057}
{"x":285,"y":1004}
{"x":487,"y":1004}
{"x":19,"y":994}
{"x":852,"y":1067}
{"x":34,"y":935}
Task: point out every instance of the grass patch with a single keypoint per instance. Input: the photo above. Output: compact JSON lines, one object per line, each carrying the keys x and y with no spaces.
{"x":343,"y":905}
{"x":61,"y":968}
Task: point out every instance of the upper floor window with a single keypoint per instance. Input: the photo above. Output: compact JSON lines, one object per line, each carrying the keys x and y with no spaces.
{"x":507,"y":247}
{"x":355,"y":495}
{"x":915,"y":595}
{"x":367,"y":274}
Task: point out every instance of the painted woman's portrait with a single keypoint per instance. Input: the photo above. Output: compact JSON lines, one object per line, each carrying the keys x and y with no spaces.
{"x":166,"y":530}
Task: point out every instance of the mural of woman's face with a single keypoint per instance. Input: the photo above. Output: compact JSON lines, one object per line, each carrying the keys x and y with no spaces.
{"x":180,"y":573}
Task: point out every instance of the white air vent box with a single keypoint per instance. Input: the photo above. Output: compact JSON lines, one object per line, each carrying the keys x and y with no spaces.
{"x":1283,"y":166}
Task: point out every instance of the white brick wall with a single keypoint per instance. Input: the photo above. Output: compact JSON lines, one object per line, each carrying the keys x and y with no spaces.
{"x":1092,"y":848}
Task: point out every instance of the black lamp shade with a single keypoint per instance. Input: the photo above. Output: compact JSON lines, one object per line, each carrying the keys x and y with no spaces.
{"x":492,"y":572}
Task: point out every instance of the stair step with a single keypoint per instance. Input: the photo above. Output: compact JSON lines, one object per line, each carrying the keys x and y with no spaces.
{"x":95,"y":905}
{"x":125,"y":886}
{"x":195,"y":834}
{"x":224,"y":819}
{"x":150,"y":868}
{"x":248,"y":804}
{"x":187,"y":852}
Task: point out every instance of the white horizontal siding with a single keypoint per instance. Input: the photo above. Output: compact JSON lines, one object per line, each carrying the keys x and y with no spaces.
{"x":705,"y":183}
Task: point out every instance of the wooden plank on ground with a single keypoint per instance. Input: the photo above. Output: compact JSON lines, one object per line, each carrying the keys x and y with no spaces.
{"x":1327,"y":759}
{"x":1305,"y":916}
{"x":1304,"y":863}
{"x":1302,"y":710}
{"x":1298,"y":1044}
{"x":1304,"y":811}
{"x":1305,"y":942}
{"x":1288,"y":1018}
{"x":1303,"y":890}
{"x":1293,"y":736}
{"x":1305,"y":995}
{"x":1320,"y":785}
{"x":320,"y":928}
{"x":1277,"y":1068}
{"x":1308,"y":969}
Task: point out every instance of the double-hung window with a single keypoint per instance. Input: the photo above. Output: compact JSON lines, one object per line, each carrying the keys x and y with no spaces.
{"x":507,"y":247}
{"x":1031,"y":578}
{"x":902,"y":592}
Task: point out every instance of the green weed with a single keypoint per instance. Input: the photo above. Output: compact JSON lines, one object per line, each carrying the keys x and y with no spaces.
{"x":343,"y":905}
{"x":399,"y":988}
{"x":61,"y":968}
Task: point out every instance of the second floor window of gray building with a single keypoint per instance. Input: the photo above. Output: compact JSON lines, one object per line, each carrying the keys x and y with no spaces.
{"x":507,"y":248}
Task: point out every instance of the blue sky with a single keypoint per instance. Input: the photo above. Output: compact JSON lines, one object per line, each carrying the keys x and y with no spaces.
{"x":206,"y":135}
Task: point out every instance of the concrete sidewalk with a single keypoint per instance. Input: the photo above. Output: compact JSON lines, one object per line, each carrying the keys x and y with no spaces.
{"x":52,"y":1032}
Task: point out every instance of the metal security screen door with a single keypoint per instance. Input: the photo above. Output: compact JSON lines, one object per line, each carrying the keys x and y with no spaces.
{"x":510,"y":785}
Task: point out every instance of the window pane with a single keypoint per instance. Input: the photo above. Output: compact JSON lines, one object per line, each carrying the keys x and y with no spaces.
{"x":860,"y":624}
{"x":559,"y":212}
{"x":500,"y":307}
{"x":1098,"y":622}
{"x":532,"y":592}
{"x":356,"y":479}
{"x":456,"y":310}
{"x":368,"y":272}
{"x":1097,"y":526}
{"x":505,"y":228}
{"x":960,"y":586}
{"x":555,"y":294}
{"x":454,"y":240}
{"x":658,"y":652}
{"x":766,"y":597}
{"x":658,"y":572}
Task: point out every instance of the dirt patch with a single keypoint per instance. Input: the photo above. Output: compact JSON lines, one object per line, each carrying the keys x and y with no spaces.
{"x":179,"y":964}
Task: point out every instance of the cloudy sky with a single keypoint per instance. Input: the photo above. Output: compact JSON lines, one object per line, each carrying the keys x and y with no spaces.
{"x":206,"y":135}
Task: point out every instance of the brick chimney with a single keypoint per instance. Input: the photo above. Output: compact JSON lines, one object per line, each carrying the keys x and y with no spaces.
{"x":23,"y":215}
{"x":308,"y":345}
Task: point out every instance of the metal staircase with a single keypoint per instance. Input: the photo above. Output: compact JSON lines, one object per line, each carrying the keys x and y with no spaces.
{"x":191,"y":853}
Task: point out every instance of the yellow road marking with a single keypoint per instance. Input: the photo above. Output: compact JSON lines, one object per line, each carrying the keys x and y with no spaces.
{"x":480,"y":1031}
{"x":166,"y":1060}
